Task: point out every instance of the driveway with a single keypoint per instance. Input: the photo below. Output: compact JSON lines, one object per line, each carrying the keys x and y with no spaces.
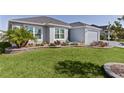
{"x":115,"y":44}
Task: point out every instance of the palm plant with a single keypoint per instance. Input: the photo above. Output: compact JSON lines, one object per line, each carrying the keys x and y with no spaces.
{"x":118,"y":30}
{"x":20,"y":37}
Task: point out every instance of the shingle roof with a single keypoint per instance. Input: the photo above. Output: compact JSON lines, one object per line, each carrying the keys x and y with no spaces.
{"x":75,"y":24}
{"x":42,"y":20}
{"x":102,"y":27}
{"x":80,"y":24}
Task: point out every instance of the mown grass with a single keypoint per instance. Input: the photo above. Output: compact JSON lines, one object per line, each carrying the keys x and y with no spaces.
{"x":41,"y":62}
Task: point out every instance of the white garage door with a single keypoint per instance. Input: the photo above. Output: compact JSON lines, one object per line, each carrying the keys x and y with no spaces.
{"x":91,"y":36}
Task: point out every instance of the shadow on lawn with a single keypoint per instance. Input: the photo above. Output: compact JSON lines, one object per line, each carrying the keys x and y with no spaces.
{"x":78,"y":69}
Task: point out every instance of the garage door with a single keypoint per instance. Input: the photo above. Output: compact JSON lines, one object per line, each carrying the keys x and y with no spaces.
{"x":90,"y":36}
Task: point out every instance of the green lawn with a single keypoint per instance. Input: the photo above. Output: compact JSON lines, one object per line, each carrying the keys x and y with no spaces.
{"x":41,"y":62}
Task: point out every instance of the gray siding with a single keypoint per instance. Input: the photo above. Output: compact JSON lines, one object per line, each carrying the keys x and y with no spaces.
{"x":51,"y":33}
{"x":46,"y":37}
{"x":12,"y":24}
{"x":48,"y":32}
{"x":77,"y":35}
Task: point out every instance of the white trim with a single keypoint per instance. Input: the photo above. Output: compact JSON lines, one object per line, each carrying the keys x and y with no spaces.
{"x":91,"y":27}
{"x":39,"y":27}
{"x":34,"y":27}
{"x":59,"y":33}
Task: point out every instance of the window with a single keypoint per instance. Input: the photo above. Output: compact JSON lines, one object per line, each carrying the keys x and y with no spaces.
{"x":56,"y":33}
{"x":16,"y":26}
{"x":59,"y":33}
{"x":38,"y":33}
{"x":29,"y":28}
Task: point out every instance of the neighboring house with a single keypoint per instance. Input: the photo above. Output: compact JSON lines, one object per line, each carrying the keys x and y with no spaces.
{"x":50,"y":29}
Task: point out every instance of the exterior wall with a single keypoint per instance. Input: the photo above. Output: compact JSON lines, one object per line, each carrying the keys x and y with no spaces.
{"x":46,"y":37}
{"x":98,"y":36}
{"x":14,"y":24}
{"x":52,"y":35}
{"x":80,"y":34}
{"x":77,"y":35}
{"x":48,"y":32}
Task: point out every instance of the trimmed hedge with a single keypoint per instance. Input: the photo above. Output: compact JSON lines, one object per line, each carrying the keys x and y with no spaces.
{"x":4,"y":45}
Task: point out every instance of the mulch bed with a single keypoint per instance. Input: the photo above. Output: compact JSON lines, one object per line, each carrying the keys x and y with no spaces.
{"x":118,"y":69}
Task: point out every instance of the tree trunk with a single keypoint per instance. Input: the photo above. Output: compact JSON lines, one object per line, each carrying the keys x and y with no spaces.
{"x":18,"y":46}
{"x":24,"y":44}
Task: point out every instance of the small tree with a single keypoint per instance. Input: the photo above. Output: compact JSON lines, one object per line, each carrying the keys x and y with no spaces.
{"x":103,"y":36}
{"x":20,"y":37}
{"x":118,"y":30}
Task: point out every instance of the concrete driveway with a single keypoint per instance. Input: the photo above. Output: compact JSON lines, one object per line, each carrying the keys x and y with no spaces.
{"x":115,"y":44}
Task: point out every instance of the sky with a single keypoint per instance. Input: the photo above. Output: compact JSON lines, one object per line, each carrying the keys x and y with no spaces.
{"x":89,"y":19}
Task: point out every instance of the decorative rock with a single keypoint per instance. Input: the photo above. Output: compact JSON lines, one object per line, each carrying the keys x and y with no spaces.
{"x":108,"y":70}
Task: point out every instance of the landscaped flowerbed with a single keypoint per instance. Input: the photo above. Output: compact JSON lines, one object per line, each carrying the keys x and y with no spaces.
{"x":118,"y":69}
{"x":56,"y":44}
{"x":99,"y":44}
{"x":115,"y":70}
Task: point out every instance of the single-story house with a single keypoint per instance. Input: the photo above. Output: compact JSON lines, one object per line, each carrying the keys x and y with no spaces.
{"x":50,"y":29}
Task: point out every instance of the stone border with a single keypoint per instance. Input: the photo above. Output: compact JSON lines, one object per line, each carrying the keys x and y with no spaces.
{"x":109,"y":71}
{"x":15,"y":50}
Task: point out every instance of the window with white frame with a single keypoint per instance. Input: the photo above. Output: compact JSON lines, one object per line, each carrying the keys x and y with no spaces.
{"x":29,"y":28}
{"x":38,"y":33}
{"x":59,"y":33}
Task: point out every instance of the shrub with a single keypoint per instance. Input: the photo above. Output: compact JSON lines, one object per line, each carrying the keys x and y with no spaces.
{"x":3,"y":46}
{"x":2,"y":50}
{"x":57,"y":42}
{"x":45,"y":42}
{"x":63,"y":44}
{"x":94,"y":43}
{"x":30,"y":44}
{"x":72,"y":68}
{"x":52,"y":44}
{"x":103,"y":36}
{"x":102,"y":44}
{"x":99,"y":44}
{"x":38,"y":44}
{"x":19,"y":37}
{"x":73,"y":43}
{"x":41,"y":44}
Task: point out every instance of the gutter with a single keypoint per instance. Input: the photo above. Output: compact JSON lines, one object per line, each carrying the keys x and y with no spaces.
{"x":41,"y":24}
